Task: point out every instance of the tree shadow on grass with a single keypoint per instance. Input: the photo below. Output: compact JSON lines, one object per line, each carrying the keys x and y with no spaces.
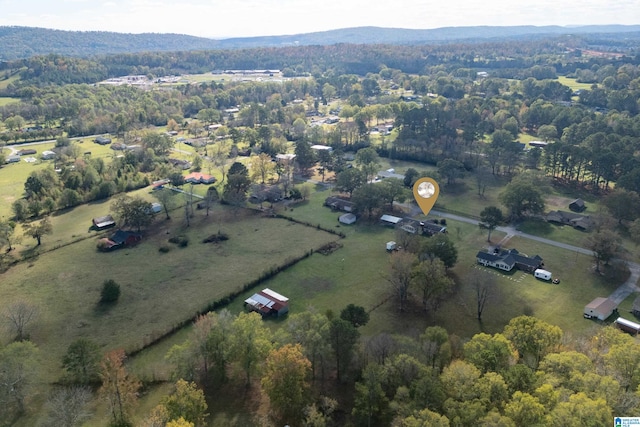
{"x":537,"y":227}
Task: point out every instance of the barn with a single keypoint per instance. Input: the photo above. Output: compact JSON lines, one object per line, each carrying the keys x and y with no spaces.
{"x":268,"y":303}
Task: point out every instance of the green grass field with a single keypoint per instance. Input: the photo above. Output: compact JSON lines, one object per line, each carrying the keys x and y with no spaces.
{"x":573,"y":84}
{"x":6,"y":101}
{"x":158,"y":290}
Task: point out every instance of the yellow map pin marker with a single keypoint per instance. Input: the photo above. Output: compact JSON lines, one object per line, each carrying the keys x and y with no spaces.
{"x":426,"y":192}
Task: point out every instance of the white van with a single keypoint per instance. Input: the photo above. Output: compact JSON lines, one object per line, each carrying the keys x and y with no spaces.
{"x":542,"y":274}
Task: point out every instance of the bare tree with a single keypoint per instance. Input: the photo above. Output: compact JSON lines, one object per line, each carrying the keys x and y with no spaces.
{"x":484,"y":292}
{"x":380,"y":347}
{"x":67,"y":407}
{"x":400,"y":276}
{"x":18,"y":317}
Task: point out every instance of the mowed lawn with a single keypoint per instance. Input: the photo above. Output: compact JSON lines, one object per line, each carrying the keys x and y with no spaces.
{"x":14,"y":175}
{"x":159,"y":290}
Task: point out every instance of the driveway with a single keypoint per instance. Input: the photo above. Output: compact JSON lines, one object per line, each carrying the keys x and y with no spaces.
{"x":619,"y":295}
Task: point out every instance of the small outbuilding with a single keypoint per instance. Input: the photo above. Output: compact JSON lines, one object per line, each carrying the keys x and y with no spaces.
{"x":103,"y":222}
{"x":577,"y":205}
{"x":391,"y":246}
{"x":600,"y":308}
{"x":268,"y":303}
{"x":627,"y":325}
{"x":347,"y":218}
{"x":48,"y":155}
{"x":390,"y":220}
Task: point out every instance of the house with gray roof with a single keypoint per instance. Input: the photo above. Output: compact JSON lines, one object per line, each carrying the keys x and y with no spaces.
{"x":508,"y":259}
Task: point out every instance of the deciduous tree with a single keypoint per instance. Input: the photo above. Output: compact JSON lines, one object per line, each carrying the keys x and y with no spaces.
{"x":604,"y":244}
{"x":39,"y":229}
{"x":18,"y":375}
{"x":19,"y":316}
{"x":430,"y":278}
{"x":532,"y":337}
{"x":491,"y":217}
{"x":119,"y":388}
{"x":522,"y":198}
{"x":82,"y":361}
{"x":186,"y":402}
{"x":285,"y":381}
{"x":490,"y":353}
{"x":249,"y":342}
{"x":132,"y":211}
{"x":311,"y":330}
{"x":400,"y":275}
{"x":349,"y":179}
{"x":343,"y":337}
{"x":68,"y":407}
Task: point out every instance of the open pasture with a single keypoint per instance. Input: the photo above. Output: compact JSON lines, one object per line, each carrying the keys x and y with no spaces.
{"x":159,"y":290}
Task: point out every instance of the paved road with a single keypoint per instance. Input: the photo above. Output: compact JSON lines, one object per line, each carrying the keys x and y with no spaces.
{"x":619,"y":295}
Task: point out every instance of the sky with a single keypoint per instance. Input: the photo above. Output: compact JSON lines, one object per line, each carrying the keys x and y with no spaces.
{"x":247,"y":18}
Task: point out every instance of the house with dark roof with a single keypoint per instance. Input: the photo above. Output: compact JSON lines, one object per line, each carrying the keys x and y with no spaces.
{"x":577,"y":205}
{"x":576,"y":220}
{"x":425,"y":228}
{"x":508,"y":259}
{"x":339,"y":204}
{"x":119,"y":239}
{"x":487,"y":259}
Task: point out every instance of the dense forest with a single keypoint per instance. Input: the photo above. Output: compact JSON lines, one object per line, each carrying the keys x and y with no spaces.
{"x":24,"y":42}
{"x":461,"y":107}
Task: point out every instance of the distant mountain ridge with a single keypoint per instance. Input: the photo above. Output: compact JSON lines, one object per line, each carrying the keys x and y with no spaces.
{"x":24,"y":42}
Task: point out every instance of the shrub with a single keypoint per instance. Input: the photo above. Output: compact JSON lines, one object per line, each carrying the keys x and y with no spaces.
{"x":164,"y":249}
{"x":181,"y":241}
{"x":110,"y":292}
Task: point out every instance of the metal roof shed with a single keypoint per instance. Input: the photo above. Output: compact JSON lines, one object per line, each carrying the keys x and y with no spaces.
{"x":599,"y":308}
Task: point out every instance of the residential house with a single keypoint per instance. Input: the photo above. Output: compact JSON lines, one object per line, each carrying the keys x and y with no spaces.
{"x":102,"y":140}
{"x":268,"y":303}
{"x":508,"y":259}
{"x":27,"y":152}
{"x":339,"y":204}
{"x":199,"y":178}
{"x":12,"y":159}
{"x":577,"y":221}
{"x":426,"y":228}
{"x":487,"y":259}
